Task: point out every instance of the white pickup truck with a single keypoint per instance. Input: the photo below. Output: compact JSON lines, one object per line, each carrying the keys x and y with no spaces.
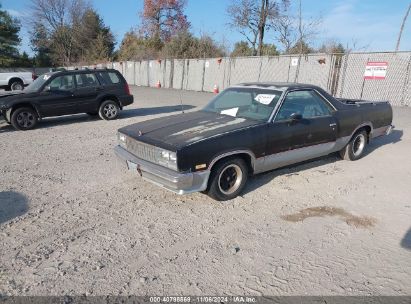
{"x":15,"y":81}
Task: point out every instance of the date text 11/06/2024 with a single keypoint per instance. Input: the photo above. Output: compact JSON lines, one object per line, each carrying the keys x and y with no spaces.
{"x":202,"y":299}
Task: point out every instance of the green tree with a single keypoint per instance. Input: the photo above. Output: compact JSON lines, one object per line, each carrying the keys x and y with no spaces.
{"x":9,"y":38}
{"x":23,"y":61}
{"x":269,"y":50}
{"x":242,"y":49}
{"x":302,"y":47}
{"x":185,"y":45}
{"x":40,"y":45}
{"x":93,"y":39}
{"x":136,"y":47}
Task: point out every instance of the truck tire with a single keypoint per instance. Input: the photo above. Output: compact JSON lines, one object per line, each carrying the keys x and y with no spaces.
{"x":355,"y":148}
{"x":24,"y":119}
{"x":228,"y":179}
{"x":109,"y":110}
{"x":17,"y":85}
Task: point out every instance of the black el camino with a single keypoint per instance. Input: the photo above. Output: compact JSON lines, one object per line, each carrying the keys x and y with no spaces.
{"x":248,"y":129}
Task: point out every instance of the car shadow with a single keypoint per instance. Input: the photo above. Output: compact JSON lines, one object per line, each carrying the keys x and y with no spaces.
{"x":393,"y":138}
{"x":406,"y":241}
{"x":12,"y":205}
{"x":80,"y":118}
{"x":261,"y":179}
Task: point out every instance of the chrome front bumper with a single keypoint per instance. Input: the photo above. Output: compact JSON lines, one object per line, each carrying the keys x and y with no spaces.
{"x":180,"y":183}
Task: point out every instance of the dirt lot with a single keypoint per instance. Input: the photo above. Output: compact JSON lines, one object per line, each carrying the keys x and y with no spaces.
{"x":74,"y":221}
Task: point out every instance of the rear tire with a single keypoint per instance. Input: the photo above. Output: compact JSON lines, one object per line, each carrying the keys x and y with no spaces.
{"x":109,"y":110}
{"x":228,"y":179}
{"x":17,"y":85}
{"x":24,"y":119}
{"x":355,"y":148}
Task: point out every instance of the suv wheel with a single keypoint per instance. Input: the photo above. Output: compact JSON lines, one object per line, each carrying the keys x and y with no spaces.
{"x":355,"y":148}
{"x":24,"y":119}
{"x":109,"y":110}
{"x":228,"y":179}
{"x":17,"y":85}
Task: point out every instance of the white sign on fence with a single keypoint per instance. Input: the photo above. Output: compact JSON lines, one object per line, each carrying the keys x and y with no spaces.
{"x":294,"y":61}
{"x":375,"y":70}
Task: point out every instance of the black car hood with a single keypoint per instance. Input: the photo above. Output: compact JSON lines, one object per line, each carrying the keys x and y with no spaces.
{"x":184,"y":129}
{"x":10,"y":97}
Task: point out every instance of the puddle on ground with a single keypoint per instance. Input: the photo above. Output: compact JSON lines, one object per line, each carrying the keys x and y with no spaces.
{"x":350,"y":219}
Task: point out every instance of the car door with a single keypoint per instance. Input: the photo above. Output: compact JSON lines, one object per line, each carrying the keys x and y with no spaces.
{"x":57,"y":97}
{"x":299,"y":131}
{"x":87,"y":90}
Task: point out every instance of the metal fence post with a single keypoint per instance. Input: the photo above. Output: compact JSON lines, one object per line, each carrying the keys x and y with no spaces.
{"x":343,"y":75}
{"x":406,"y":81}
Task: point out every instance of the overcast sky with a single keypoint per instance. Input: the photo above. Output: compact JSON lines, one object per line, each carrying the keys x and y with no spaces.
{"x":369,"y":24}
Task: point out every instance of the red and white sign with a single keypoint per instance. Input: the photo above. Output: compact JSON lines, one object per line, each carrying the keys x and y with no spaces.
{"x":376,"y":70}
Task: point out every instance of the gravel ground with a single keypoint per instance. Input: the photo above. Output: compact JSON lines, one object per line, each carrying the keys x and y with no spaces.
{"x":74,"y":221}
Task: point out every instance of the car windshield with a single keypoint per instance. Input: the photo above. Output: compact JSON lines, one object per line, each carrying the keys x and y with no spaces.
{"x":38,"y":83}
{"x":249,"y":103}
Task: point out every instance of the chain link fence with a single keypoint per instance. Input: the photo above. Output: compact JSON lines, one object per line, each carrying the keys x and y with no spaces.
{"x":342,"y":75}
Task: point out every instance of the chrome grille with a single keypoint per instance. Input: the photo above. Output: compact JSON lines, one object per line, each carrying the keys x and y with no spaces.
{"x":142,"y":150}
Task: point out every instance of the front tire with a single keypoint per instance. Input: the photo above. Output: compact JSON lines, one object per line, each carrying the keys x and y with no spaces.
{"x":356,"y":147}
{"x":228,"y":179}
{"x":24,"y":119}
{"x":109,"y":110}
{"x":17,"y":86}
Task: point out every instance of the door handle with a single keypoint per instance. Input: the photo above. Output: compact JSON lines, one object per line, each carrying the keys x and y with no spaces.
{"x":333,"y":125}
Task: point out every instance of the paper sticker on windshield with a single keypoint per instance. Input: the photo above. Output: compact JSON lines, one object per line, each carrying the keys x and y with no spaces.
{"x":230,"y":112}
{"x":265,"y":99}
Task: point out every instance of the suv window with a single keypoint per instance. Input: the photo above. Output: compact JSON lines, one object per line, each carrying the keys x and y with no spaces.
{"x":62,"y":83}
{"x":109,"y":77}
{"x":307,"y":103}
{"x":86,"y":80}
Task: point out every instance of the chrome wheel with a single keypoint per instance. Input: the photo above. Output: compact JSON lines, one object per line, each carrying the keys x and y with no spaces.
{"x":110,"y":110}
{"x":358,"y":145}
{"x":17,"y":86}
{"x":25,"y":119}
{"x":230,"y":179}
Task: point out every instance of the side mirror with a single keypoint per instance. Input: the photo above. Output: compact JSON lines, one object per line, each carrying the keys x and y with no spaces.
{"x":47,"y":89}
{"x":295,"y":117}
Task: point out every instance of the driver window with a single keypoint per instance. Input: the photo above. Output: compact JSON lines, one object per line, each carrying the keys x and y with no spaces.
{"x":307,"y":103}
{"x":62,"y":83}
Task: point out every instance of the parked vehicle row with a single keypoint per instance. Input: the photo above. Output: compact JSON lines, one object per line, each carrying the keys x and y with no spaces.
{"x":247,"y":129}
{"x":95,"y":92}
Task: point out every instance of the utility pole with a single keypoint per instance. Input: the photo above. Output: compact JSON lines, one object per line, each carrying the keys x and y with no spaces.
{"x":300,"y":30}
{"x":402,"y":27}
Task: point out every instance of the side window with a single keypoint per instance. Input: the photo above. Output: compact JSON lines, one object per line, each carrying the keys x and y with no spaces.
{"x":62,"y":83}
{"x":307,"y":103}
{"x":86,"y":80}
{"x":109,"y":77}
{"x":114,"y":78}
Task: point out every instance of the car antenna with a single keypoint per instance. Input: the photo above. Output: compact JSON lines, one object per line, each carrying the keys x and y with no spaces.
{"x":181,"y":101}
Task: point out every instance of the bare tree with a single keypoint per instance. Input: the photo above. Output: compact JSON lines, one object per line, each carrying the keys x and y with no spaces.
{"x":250,"y":18}
{"x":58,"y":19}
{"x":295,"y":31}
{"x":397,"y":47}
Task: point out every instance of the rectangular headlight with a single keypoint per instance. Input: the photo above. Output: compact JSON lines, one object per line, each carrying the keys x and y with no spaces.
{"x":167,"y":159}
{"x":122,"y":140}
